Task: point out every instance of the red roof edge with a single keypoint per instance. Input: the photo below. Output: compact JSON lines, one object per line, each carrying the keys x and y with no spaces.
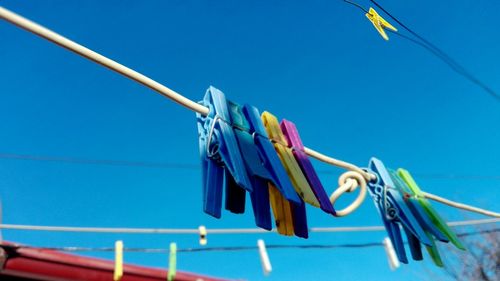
{"x":42,"y":264}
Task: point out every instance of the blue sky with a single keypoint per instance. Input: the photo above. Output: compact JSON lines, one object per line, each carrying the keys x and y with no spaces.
{"x":318,"y":63}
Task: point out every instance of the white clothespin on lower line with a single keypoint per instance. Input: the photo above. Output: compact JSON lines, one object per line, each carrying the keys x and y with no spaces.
{"x":264,"y":257}
{"x":203,"y":235}
{"x":391,"y":254}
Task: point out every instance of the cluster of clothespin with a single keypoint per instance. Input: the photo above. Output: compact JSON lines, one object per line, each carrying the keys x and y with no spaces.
{"x":172,"y":258}
{"x":401,"y":204}
{"x":118,"y":268}
{"x":244,"y":151}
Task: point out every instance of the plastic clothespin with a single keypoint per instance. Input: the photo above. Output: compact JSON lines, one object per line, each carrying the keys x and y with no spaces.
{"x":203,"y":235}
{"x":299,"y":182}
{"x":295,"y":143}
{"x":291,"y":166}
{"x":430,"y":229}
{"x":264,"y":257}
{"x":416,"y":208}
{"x":172,"y":262}
{"x":271,"y":160}
{"x":118,"y":271}
{"x":391,"y":254}
{"x":219,"y":151}
{"x":255,"y":165}
{"x":282,"y":212}
{"x":262,"y":188}
{"x":394,"y":213}
{"x":426,"y":205}
{"x":379,"y":23}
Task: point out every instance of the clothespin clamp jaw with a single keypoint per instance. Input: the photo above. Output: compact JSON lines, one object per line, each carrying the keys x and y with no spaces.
{"x":219,"y":151}
{"x":394,"y":212}
{"x":379,"y":23}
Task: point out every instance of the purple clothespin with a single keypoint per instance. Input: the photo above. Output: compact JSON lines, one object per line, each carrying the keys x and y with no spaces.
{"x":290,"y":131}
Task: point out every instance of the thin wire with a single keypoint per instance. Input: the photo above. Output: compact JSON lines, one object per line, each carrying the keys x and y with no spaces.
{"x":356,"y":5}
{"x":212,"y":231}
{"x":458,"y":68}
{"x":227,"y":248}
{"x":187,"y":166}
{"x":148,"y":82}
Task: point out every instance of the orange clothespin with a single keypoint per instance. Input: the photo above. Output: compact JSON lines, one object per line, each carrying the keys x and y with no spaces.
{"x":379,"y":23}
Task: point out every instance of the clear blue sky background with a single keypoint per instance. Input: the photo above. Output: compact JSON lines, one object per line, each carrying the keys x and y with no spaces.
{"x":319,"y":63}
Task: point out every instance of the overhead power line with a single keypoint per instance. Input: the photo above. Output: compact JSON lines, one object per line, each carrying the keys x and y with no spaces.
{"x":439,"y":53}
{"x":188,"y":166}
{"x":230,"y":248}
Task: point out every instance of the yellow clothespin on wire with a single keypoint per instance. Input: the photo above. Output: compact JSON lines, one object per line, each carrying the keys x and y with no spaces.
{"x":172,"y":262}
{"x":118,"y":272}
{"x":379,"y":23}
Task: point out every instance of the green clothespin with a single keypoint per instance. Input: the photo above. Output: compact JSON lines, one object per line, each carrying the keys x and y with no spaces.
{"x":426,"y":205}
{"x":172,"y":262}
{"x":433,"y":252}
{"x":412,"y":203}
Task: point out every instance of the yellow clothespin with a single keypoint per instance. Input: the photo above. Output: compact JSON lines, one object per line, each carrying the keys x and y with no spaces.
{"x":285,"y":153}
{"x":172,"y":262}
{"x":379,"y":23}
{"x":118,"y":272}
{"x":282,"y":211}
{"x":203,"y":235}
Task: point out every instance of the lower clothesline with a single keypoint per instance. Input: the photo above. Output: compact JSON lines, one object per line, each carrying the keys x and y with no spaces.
{"x":180,"y":231}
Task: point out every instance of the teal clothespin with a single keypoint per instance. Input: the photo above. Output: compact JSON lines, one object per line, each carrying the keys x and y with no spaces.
{"x":426,"y":205}
{"x":172,"y":262}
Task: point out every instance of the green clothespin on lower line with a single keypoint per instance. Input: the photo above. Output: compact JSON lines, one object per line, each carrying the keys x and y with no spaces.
{"x":172,"y":262}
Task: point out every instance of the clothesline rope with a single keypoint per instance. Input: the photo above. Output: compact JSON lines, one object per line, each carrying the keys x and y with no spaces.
{"x":64,"y":42}
{"x":180,"y":231}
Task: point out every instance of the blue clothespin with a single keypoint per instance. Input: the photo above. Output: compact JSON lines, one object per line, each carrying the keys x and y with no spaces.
{"x":394,"y":212}
{"x":262,"y":166}
{"x":272,"y":163}
{"x":259,"y":175}
{"x":429,"y":227}
{"x":218,"y":151}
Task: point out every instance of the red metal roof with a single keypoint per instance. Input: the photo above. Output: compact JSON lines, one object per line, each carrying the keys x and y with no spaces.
{"x":42,"y":264}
